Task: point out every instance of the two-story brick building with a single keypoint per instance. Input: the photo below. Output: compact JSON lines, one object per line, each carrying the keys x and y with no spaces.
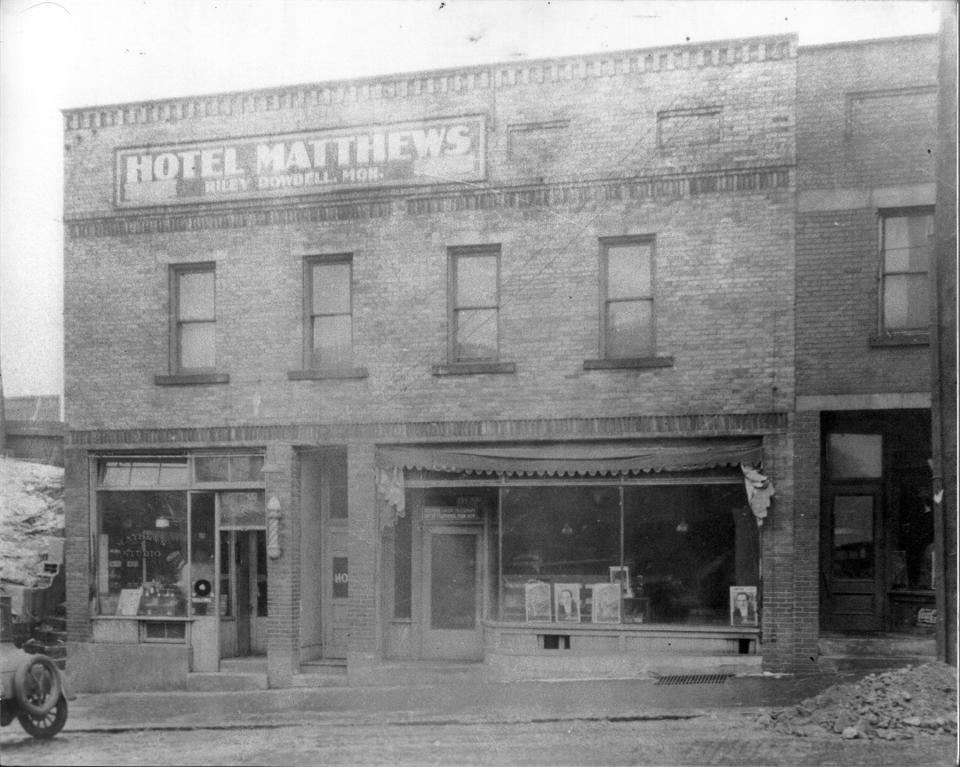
{"x":490,"y":365}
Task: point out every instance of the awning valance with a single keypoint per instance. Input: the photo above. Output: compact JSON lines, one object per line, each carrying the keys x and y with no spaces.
{"x":577,"y":459}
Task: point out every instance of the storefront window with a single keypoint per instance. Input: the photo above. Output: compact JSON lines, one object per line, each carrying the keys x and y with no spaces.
{"x":656,"y":554}
{"x":143,"y":553}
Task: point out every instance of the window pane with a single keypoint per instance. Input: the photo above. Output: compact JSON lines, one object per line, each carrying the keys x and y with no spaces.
{"x":243,"y":509}
{"x":476,"y":281}
{"x":905,"y":302}
{"x":403,"y":567}
{"x":476,"y":335}
{"x":685,"y":547}
{"x":332,"y":341}
{"x":331,"y":288}
{"x":197,"y":345}
{"x":628,"y":271}
{"x":906,"y":243}
{"x":453,"y":580}
{"x":853,"y":536}
{"x":630,"y":329}
{"x":196,"y":295}
{"x":203,"y":576}
{"x":173,"y":472}
{"x":142,"y":553}
{"x":145,"y":473}
{"x":855,"y":456}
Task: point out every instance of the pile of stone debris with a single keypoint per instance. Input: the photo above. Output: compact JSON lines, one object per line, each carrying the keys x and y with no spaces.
{"x":893,"y":705}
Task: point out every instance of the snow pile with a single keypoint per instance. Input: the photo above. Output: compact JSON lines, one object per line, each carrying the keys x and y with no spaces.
{"x":31,"y":509}
{"x":893,"y":705}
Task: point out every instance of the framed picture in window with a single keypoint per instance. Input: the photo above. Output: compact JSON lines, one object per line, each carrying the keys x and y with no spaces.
{"x":566,"y":601}
{"x":621,"y":575}
{"x":606,"y":603}
{"x":536,"y":598}
{"x":743,"y":605}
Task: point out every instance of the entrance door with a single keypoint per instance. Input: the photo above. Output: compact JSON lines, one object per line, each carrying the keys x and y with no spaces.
{"x":244,"y":590}
{"x":452,"y":593}
{"x":851,"y":575}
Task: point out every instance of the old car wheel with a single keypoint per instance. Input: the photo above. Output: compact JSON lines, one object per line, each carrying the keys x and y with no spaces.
{"x":46,"y":725}
{"x":37,"y":685}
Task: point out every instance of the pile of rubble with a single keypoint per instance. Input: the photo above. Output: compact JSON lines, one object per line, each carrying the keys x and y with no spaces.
{"x":31,"y":512}
{"x":893,"y":705}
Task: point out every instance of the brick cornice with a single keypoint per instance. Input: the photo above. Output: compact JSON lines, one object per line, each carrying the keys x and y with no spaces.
{"x":525,"y":196}
{"x":640,"y":62}
{"x":717,"y":424}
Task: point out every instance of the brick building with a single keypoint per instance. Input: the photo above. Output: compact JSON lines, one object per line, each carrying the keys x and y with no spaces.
{"x":505,"y":378}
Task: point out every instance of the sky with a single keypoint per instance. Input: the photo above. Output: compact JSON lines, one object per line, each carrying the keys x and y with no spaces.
{"x":62,"y":54}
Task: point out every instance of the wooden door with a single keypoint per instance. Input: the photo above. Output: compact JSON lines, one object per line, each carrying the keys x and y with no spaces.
{"x":452,"y":593}
{"x":851,"y":560}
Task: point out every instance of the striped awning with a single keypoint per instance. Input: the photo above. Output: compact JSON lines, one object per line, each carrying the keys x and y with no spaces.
{"x":572,"y":459}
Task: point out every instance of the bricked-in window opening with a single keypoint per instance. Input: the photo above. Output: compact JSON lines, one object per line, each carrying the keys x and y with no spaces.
{"x":328,"y":310}
{"x":628,"y":298}
{"x":554,"y":641}
{"x":905,"y":245}
{"x":474,"y":304}
{"x":193,"y":318}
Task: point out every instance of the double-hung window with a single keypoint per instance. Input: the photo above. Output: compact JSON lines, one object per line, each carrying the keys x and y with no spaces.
{"x":628,"y":298}
{"x":475,"y":304}
{"x":329,"y":313}
{"x":194,"y":318}
{"x":905,"y":244}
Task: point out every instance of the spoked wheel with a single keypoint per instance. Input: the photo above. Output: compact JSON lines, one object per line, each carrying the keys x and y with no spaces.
{"x":37,"y":685}
{"x":46,"y":725}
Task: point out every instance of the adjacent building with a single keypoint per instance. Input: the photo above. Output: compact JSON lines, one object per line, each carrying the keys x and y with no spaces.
{"x":556,"y":368}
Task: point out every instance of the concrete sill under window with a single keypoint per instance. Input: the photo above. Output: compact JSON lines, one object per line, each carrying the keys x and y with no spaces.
{"x":321,"y":375}
{"x":474,"y":368}
{"x":192,"y":379}
{"x":919,"y":338}
{"x":629,"y":363}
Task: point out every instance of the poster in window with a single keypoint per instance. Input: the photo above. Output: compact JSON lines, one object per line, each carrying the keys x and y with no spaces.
{"x":606,"y":603}
{"x":566,"y":599}
{"x":536,"y":598}
{"x":743,"y":605}
{"x":129,"y":603}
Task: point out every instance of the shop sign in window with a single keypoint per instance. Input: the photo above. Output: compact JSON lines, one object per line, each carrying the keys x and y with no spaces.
{"x":341,"y":580}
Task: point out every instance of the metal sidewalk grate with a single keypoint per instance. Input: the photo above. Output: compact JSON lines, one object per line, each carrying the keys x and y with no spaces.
{"x":692,"y":679}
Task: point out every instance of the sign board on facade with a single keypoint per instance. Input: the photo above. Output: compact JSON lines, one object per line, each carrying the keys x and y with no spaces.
{"x":442,"y":150}
{"x":449,"y":514}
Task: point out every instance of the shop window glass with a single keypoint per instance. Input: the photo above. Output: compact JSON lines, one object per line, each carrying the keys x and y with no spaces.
{"x":142,"y":553}
{"x":905,"y":299}
{"x":912,"y":549}
{"x":402,"y":568}
{"x":229,"y":468}
{"x":203,"y":580}
{"x":335,"y":475}
{"x":855,"y":456}
{"x":853,"y":542}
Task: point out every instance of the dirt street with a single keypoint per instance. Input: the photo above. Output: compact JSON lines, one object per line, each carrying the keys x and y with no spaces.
{"x":711,"y":739}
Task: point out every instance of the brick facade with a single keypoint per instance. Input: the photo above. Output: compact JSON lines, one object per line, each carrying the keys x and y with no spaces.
{"x":702,"y":148}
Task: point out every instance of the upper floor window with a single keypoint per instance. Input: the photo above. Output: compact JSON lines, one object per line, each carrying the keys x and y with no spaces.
{"x":905,"y":244}
{"x":627,"y":295}
{"x":194,"y":317}
{"x":475,"y":303}
{"x":328,"y":308}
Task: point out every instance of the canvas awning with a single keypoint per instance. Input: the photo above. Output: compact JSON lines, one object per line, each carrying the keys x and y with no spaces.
{"x":577,"y":459}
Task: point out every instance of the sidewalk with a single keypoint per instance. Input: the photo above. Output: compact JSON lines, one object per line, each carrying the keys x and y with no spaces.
{"x":619,"y":699}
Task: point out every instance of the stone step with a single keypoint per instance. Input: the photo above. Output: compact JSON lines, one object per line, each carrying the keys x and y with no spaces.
{"x":878,"y":646}
{"x":202,"y":681}
{"x":250,"y":665}
{"x":872,"y":663}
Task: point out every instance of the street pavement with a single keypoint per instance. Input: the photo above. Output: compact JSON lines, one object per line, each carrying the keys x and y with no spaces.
{"x":588,"y":722}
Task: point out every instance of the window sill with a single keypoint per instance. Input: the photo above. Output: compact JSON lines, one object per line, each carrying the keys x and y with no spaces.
{"x":919,"y":338}
{"x":192,"y":379}
{"x":321,"y":375}
{"x":474,"y":368}
{"x":629,"y":363}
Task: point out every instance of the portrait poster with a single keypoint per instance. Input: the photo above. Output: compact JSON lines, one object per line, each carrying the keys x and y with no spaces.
{"x":743,"y":605}
{"x":606,"y":603}
{"x":537,"y":601}
{"x":566,"y":601}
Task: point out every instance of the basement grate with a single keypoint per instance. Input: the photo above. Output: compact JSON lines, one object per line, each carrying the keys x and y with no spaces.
{"x":692,"y":679}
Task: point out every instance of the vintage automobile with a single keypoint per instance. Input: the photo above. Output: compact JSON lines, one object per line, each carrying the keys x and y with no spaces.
{"x":33,"y":689}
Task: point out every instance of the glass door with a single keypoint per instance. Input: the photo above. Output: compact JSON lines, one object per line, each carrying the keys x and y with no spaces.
{"x":452,"y":592}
